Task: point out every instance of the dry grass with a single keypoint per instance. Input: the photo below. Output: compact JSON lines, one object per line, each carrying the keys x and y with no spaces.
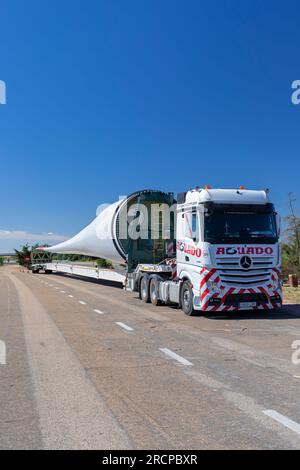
{"x":291,"y":295}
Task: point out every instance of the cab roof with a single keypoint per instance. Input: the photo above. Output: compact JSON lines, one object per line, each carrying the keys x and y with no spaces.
{"x":224,"y":196}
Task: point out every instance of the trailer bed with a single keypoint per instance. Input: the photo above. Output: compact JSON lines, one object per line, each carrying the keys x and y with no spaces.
{"x":86,"y":271}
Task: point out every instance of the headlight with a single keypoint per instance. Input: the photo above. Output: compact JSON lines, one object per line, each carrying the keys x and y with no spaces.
{"x":276,"y":284}
{"x":213,"y":286}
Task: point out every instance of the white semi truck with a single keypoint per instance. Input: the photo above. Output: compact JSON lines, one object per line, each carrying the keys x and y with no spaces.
{"x":211,"y":250}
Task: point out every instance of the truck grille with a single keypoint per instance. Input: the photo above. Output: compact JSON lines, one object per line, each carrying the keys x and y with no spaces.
{"x":231,"y":273}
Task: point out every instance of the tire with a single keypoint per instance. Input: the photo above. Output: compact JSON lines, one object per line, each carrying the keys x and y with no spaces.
{"x":186,"y":298}
{"x":154,"y":291}
{"x":144,"y":289}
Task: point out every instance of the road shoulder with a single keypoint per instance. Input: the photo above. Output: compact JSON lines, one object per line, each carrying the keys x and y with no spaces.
{"x":72,"y":413}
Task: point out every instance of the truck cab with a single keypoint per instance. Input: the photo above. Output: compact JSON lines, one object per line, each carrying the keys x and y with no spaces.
{"x":227,"y":250}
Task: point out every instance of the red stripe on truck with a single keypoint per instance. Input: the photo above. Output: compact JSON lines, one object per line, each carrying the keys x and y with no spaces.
{"x":208,"y":275}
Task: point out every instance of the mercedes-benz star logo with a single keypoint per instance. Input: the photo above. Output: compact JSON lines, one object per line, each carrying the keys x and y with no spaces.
{"x":246,"y":262}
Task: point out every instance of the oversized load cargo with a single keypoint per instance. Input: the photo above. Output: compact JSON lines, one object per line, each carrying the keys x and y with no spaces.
{"x":227,"y":248}
{"x":136,"y":229}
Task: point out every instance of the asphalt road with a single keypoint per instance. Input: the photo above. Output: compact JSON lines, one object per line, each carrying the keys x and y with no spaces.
{"x":88,"y":366}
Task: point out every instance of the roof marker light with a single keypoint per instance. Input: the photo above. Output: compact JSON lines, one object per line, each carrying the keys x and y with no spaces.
{"x":242,"y":187}
{"x":207,"y":186}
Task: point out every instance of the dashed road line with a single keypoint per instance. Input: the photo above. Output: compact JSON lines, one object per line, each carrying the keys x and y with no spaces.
{"x":81,"y":302}
{"x":2,"y":352}
{"x":98,"y":311}
{"x":71,"y":296}
{"x":63,"y":291}
{"x":123,"y":325}
{"x":284,"y":420}
{"x":175,"y":356}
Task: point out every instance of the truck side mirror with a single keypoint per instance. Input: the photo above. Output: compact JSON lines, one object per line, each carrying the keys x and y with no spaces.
{"x":278,"y":224}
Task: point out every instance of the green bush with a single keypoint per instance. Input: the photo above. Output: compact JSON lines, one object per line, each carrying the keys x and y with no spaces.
{"x":1,"y":261}
{"x":104,"y":263}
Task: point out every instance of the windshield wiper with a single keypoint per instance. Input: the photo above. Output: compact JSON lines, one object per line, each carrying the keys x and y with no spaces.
{"x":238,"y":240}
{"x":264,"y":239}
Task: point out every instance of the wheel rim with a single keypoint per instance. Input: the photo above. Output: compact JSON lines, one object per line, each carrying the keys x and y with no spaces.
{"x":144,"y":289}
{"x":152,"y":291}
{"x":186,"y":298}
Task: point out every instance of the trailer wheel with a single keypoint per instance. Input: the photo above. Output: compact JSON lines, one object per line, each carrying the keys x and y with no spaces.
{"x":144,"y":289}
{"x":154,"y":291}
{"x":186,"y":297}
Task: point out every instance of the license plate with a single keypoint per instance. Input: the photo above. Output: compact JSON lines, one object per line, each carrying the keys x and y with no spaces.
{"x":247,"y":305}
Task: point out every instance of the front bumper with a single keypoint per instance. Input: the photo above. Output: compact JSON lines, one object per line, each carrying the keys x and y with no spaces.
{"x":237,"y":301}
{"x":215,"y":295}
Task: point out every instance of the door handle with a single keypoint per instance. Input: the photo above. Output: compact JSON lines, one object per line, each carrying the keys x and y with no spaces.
{"x":187,"y":258}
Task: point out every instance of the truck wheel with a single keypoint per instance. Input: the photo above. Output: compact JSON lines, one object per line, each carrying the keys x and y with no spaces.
{"x":186,"y":297}
{"x":154,"y":291}
{"x":144,"y":289}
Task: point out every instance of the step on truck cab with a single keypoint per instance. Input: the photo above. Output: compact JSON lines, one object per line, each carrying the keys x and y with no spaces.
{"x":227,"y":254}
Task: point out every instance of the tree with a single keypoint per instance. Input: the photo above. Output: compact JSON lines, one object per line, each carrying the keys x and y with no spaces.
{"x":294,"y":223}
{"x":290,"y":248}
{"x":1,"y":260}
{"x":23,"y":255}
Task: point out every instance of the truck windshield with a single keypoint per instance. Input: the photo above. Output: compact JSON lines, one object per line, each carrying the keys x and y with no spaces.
{"x":231,"y":227}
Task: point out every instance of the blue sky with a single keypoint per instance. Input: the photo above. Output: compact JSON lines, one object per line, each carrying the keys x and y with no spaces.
{"x":106,"y":97}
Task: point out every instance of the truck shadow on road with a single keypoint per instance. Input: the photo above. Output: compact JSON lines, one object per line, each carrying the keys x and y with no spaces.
{"x":89,"y":280}
{"x":288,"y":311}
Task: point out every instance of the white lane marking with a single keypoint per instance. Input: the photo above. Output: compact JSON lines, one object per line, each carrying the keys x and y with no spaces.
{"x":288,"y":423}
{"x":56,"y":287}
{"x":175,"y":356}
{"x":123,"y":325}
{"x":82,"y":302}
{"x":71,"y":296}
{"x":98,"y":311}
{"x":2,"y":353}
{"x":63,"y":291}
